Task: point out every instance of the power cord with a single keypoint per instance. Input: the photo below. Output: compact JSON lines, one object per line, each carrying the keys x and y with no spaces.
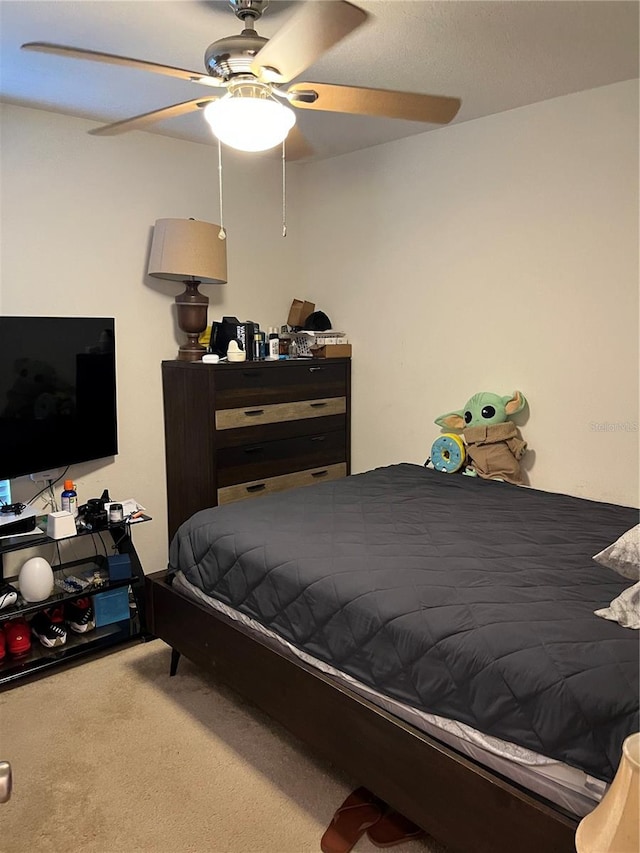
{"x":12,"y":509}
{"x":49,"y":487}
{"x":50,"y":503}
{"x":116,"y":544}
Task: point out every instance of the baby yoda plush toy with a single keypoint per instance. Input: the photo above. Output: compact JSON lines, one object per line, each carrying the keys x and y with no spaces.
{"x":493,"y":443}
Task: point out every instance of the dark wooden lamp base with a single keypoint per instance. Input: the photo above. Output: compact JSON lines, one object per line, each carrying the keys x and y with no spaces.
{"x":192,"y":319}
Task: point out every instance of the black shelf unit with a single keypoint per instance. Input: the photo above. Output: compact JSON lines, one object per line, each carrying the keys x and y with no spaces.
{"x":40,"y":660}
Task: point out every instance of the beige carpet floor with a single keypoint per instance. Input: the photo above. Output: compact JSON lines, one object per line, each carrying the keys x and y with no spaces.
{"x":113,"y":756}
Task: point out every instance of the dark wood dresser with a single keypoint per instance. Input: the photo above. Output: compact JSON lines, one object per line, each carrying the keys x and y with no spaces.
{"x":237,"y":431}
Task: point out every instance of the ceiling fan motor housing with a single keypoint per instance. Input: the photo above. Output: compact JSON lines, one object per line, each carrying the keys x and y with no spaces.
{"x":248,"y":8}
{"x":233,"y":55}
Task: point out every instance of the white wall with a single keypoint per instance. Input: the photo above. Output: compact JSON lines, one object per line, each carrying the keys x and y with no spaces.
{"x":76,"y":218}
{"x":492,"y":255}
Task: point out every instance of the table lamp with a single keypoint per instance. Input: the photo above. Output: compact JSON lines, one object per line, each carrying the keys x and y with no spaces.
{"x":614,"y":825}
{"x":192,"y":252}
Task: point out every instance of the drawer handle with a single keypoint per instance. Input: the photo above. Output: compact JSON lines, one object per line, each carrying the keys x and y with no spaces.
{"x":257,"y":488}
{"x":253,"y":449}
{"x":318,"y":437}
{"x":251,"y":413}
{"x":251,"y":374}
{"x":313,"y":369}
{"x":317,"y":405}
{"x":320,"y":473}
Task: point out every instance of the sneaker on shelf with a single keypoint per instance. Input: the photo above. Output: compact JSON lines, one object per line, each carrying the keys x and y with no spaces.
{"x":3,"y":644}
{"x":48,"y":626}
{"x":79,"y":615}
{"x":17,"y":636}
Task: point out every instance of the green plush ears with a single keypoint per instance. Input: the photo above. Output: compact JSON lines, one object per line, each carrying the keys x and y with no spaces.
{"x":484,"y":409}
{"x":514,"y":404}
{"x":452,"y":420}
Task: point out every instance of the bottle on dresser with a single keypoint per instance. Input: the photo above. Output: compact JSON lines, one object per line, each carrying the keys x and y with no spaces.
{"x":259,"y":346}
{"x":273,"y":344}
{"x":284,"y":341}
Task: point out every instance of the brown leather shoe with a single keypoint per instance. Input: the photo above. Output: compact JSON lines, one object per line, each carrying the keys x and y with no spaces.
{"x":359,"y":812}
{"x":393,"y":828}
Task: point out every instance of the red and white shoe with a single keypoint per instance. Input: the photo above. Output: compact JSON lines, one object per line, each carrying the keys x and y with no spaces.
{"x":79,"y":615}
{"x":17,"y":636}
{"x":48,"y":626}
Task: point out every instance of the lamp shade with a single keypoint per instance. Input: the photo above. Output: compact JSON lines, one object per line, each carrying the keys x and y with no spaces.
{"x":614,"y":825}
{"x":188,"y":249}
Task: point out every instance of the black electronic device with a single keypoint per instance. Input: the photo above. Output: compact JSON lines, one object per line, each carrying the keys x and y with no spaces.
{"x":93,"y":515}
{"x":57,"y":393}
{"x":231,"y":329}
{"x":222,"y":334}
{"x":245,"y":336}
{"x":19,"y":525}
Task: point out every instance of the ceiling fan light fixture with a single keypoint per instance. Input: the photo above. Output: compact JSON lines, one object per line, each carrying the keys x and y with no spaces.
{"x":249,"y":123}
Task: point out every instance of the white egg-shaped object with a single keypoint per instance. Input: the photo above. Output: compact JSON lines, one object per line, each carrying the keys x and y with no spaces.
{"x":35,"y":579}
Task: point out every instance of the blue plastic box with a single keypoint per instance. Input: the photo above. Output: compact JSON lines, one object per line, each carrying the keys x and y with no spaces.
{"x":111,"y":606}
{"x":119,"y":567}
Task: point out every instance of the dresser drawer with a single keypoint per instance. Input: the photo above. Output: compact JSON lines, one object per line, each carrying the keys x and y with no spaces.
{"x":248,"y":386}
{"x":250,"y":435}
{"x":276,"y":412}
{"x":270,"y":485}
{"x":233,"y":431}
{"x":284,"y":456}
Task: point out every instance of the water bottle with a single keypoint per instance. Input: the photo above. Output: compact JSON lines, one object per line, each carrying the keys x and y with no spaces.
{"x":70,"y":498}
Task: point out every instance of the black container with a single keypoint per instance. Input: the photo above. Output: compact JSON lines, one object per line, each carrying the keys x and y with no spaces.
{"x":231,"y":329}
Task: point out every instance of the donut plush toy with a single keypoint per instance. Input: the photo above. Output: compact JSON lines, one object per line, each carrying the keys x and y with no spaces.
{"x":492,"y":442}
{"x":448,"y":453}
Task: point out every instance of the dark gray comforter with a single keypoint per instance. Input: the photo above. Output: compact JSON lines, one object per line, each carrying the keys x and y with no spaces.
{"x":467,"y":598}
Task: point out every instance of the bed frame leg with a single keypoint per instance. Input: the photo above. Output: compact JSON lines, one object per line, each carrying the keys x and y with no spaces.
{"x":175,"y":657}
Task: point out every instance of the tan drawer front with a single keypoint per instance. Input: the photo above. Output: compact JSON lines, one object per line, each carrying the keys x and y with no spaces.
{"x":280,"y":484}
{"x":276,"y":412}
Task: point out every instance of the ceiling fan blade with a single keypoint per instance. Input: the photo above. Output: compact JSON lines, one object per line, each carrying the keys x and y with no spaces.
{"x":142,"y":121}
{"x":305,"y":37}
{"x":373,"y":102}
{"x":127,"y":61}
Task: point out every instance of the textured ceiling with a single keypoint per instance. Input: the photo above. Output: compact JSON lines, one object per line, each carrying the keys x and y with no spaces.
{"x":493,"y":55}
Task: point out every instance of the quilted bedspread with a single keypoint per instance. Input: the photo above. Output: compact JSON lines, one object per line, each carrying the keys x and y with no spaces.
{"x":467,"y":598}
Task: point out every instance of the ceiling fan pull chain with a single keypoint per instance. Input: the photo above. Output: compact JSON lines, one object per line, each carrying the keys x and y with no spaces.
{"x":222,"y":234}
{"x":284,"y":190}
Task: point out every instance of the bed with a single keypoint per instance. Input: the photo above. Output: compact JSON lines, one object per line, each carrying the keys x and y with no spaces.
{"x":434,"y":635}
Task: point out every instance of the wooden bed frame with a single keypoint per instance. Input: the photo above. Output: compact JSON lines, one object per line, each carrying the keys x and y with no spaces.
{"x":461,"y":804}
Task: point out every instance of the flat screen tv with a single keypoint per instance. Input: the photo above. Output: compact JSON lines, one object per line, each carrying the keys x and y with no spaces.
{"x":57,"y":393}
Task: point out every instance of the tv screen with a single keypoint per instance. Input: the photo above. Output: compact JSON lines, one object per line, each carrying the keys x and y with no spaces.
{"x":57,"y":392}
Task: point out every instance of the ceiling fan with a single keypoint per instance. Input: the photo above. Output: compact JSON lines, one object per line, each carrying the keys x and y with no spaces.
{"x":252,"y":70}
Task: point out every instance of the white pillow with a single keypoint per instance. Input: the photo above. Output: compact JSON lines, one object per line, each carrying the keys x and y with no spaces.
{"x":624,"y":555}
{"x":625,"y":609}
